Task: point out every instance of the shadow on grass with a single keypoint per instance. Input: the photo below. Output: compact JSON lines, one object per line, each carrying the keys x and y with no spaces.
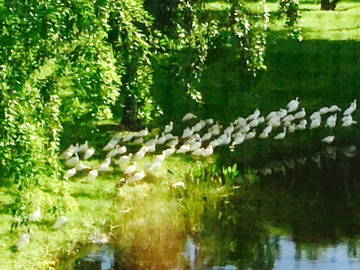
{"x":319,"y":72}
{"x":93,"y":195}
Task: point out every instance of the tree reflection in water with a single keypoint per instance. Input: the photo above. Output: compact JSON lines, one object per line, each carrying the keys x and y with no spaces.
{"x":305,"y":215}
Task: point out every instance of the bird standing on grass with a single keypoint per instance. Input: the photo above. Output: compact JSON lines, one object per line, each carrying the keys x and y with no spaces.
{"x":293,"y":105}
{"x":328,"y":139}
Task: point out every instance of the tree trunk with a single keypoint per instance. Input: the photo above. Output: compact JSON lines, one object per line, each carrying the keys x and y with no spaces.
{"x":130,"y":113}
{"x":328,"y":5}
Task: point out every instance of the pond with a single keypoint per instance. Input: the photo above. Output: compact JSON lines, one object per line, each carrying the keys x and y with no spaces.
{"x":302,"y":213}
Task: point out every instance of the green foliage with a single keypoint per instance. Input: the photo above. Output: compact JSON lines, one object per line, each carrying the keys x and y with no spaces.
{"x":74,"y":63}
{"x":290,"y":9}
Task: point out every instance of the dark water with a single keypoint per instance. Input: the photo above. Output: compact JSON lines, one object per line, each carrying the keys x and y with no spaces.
{"x":303,"y":214}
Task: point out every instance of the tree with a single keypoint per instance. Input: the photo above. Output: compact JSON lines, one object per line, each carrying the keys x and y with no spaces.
{"x":328,"y":4}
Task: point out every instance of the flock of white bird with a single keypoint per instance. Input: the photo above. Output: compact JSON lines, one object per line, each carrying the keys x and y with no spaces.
{"x":200,"y":139}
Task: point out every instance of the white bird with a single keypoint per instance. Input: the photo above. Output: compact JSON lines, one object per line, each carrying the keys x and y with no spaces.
{"x":169,"y":127}
{"x":161,"y":140}
{"x":187,"y":133}
{"x":72,"y":161}
{"x":265,"y":133}
{"x":139,"y":155}
{"x":206,"y":137}
{"x":223,"y":140}
{"x":347,"y":118}
{"x":191,"y":140}
{"x":250,"y":135}
{"x":351,"y":108}
{"x":68,"y":153}
{"x":111,"y":144}
{"x":274,"y":122}
{"x":199,"y":126}
{"x":121,"y":150}
{"x":89,"y":153}
{"x":272,"y":114}
{"x":315,"y":115}
{"x":324,"y":110}
{"x":194,"y":146}
{"x":315,"y":123}
{"x":36,"y":215}
{"x":128,"y":137}
{"x":281,"y":135}
{"x":123,"y":160}
{"x":138,"y":141}
{"x":130,"y":169}
{"x":331,"y":121}
{"x":70,"y":173}
{"x":282,"y":113}
{"x":348,"y":123}
{"x":214,"y":143}
{"x":300,"y":114}
{"x":239,"y":139}
{"x":214,"y":130}
{"x":334,"y":108}
{"x":83,"y":147}
{"x":268,"y":129}
{"x":184,"y":148}
{"x":60,"y":222}
{"x":328,"y":139}
{"x":229,"y":130}
{"x":188,"y":116}
{"x":151,"y":148}
{"x":244,"y":129}
{"x":105,"y":166}
{"x":154,"y":141}
{"x":93,"y":174}
{"x":240,"y":121}
{"x":23,"y":241}
{"x":136,"y":177}
{"x":292,"y":128}
{"x":174,"y":142}
{"x":197,"y":152}
{"x":179,"y":184}
{"x":301,"y":125}
{"x":261,"y":119}
{"x":287,"y":123}
{"x":81,"y":166}
{"x":116,"y":151}
{"x":254,"y":123}
{"x":209,"y":121}
{"x":142,"y":133}
{"x":254,"y":115}
{"x":155,"y":167}
{"x":288,"y":118}
{"x":208,"y":151}
{"x":293,"y":105}
{"x":169,"y":136}
{"x":169,"y":152}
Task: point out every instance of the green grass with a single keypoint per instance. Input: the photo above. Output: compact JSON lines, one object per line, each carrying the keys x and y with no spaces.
{"x":321,"y":70}
{"x":91,"y":208}
{"x":96,"y":207}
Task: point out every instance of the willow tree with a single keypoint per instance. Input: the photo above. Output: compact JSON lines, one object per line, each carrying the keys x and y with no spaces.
{"x":57,"y":67}
{"x":190,"y":34}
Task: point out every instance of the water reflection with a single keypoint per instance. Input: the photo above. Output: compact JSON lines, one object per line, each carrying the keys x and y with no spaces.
{"x":319,"y":258}
{"x":98,"y":257}
{"x":303,"y":214}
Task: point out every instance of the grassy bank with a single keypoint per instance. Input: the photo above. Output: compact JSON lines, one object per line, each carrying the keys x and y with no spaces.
{"x":101,"y":206}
